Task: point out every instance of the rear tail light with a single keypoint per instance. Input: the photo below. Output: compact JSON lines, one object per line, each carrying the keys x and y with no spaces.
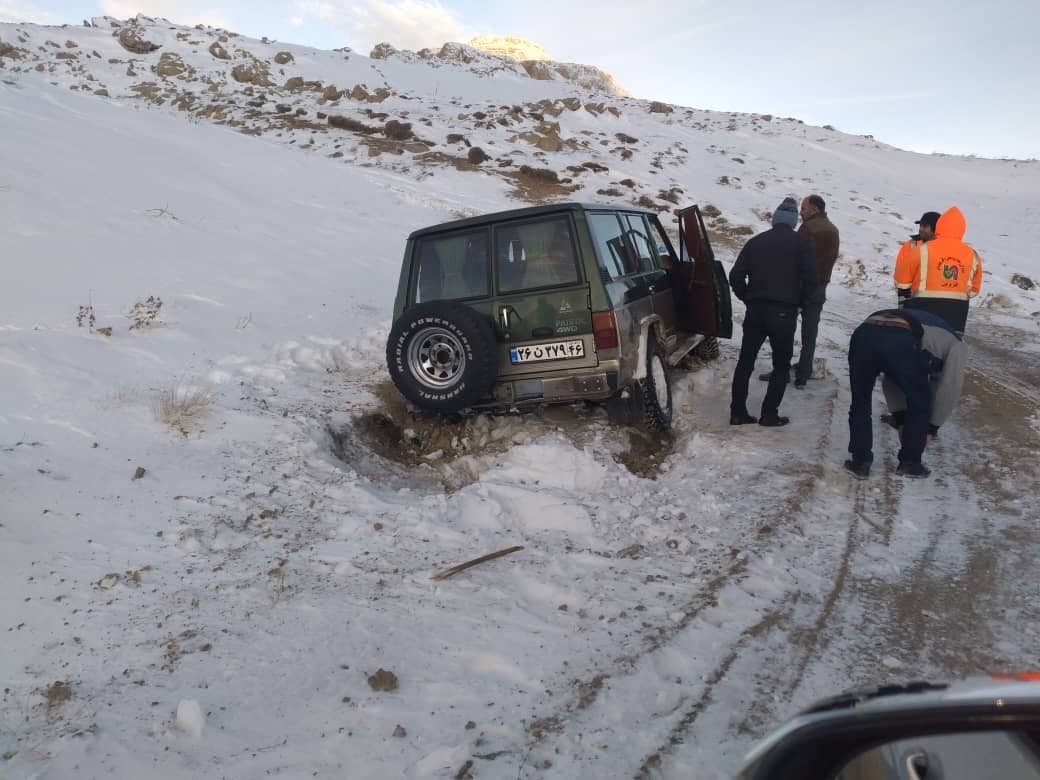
{"x":604,"y":330}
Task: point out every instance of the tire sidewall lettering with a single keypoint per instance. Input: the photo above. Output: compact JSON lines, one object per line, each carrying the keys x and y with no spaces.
{"x":476,"y":343}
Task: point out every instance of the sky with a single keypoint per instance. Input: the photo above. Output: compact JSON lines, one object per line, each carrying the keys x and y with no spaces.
{"x":932,"y":76}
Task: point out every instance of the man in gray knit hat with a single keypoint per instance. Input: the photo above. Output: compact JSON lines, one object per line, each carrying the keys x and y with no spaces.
{"x":775,"y":274}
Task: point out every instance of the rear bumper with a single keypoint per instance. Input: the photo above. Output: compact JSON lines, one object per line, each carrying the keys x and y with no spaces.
{"x":592,"y":384}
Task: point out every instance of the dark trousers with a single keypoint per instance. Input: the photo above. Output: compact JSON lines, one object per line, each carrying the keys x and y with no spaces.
{"x":810,"y":328}
{"x":955,"y":312}
{"x":877,"y":349}
{"x":761,"y":323}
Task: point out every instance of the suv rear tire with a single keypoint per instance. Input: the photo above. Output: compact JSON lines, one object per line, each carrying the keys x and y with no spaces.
{"x":442,"y":356}
{"x":655,"y":390}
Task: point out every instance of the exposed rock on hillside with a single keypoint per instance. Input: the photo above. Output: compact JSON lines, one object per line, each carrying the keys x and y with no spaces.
{"x":507,"y":46}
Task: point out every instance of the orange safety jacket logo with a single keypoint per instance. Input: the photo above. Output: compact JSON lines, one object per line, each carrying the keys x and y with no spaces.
{"x":947,"y":276}
{"x":951,"y":271}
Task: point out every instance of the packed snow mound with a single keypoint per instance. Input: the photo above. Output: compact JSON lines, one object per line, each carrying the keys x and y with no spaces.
{"x":518,"y":49}
{"x":190,"y":718}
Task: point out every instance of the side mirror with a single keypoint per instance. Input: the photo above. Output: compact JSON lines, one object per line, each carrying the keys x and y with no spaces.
{"x":980,"y":728}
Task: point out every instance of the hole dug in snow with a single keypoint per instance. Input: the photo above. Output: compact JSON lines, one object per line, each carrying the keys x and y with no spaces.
{"x":424,"y":451}
{"x":399,"y":446}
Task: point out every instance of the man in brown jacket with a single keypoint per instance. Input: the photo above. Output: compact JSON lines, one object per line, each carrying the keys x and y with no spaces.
{"x":824,"y":239}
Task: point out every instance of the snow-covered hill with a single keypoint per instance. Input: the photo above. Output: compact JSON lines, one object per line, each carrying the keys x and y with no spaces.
{"x":201,"y":498}
{"x":418,"y":116}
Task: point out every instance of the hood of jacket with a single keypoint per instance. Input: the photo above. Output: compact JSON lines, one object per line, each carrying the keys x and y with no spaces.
{"x":951,"y":224}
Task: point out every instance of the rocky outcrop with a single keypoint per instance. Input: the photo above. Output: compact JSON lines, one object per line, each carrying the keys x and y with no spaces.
{"x":130,"y":39}
{"x":360,"y":93}
{"x":170,"y":66}
{"x":255,"y":72}
{"x":493,"y":55}
{"x":584,"y":76}
{"x":382,"y":51}
{"x":219,"y":51}
{"x":517,"y":49}
{"x":11,"y":52}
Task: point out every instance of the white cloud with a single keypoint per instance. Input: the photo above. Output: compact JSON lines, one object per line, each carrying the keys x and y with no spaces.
{"x":176,"y":11}
{"x":22,"y":12}
{"x":296,"y":21}
{"x":407,"y":24}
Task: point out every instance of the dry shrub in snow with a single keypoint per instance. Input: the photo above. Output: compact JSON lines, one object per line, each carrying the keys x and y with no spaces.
{"x":1023,"y":281}
{"x":398,"y":131}
{"x":540,"y":174}
{"x":182,"y":405}
{"x":346,"y":123}
{"x":144,"y":313}
{"x":86,"y":316}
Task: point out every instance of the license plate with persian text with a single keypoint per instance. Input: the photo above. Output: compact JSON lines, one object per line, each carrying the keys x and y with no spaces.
{"x":553,"y":350}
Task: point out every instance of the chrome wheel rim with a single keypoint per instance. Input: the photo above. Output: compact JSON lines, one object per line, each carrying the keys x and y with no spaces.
{"x":436,"y":358}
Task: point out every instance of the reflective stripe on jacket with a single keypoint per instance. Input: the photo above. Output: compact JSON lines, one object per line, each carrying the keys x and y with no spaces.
{"x":944,"y":267}
{"x":907,"y":266}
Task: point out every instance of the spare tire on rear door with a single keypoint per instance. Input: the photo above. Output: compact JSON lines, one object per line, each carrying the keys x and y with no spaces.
{"x":442,"y":356}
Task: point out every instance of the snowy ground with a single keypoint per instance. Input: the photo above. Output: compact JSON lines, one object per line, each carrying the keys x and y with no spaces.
{"x":672,"y":601}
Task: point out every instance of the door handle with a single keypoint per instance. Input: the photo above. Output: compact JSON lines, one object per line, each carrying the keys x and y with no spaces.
{"x":917,"y":766}
{"x":503,"y":315}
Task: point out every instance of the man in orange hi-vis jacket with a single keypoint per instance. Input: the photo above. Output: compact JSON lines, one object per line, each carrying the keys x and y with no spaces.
{"x":942,"y":274}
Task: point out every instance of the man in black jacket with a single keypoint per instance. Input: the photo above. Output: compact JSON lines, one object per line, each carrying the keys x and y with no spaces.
{"x":775,"y":273}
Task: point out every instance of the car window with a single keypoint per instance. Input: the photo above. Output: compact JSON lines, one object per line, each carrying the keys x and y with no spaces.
{"x":692,"y":233}
{"x":452,"y":267}
{"x":613,"y":254}
{"x":540,"y":253}
{"x":662,"y":244}
{"x":638,"y":234}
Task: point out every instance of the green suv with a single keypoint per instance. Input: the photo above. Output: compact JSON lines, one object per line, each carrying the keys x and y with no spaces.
{"x":554,"y":304}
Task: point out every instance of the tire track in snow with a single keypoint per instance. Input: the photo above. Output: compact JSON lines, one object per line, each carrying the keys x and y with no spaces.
{"x":586,"y":713}
{"x":931,"y":619}
{"x":678,"y":733}
{"x":803,"y":636}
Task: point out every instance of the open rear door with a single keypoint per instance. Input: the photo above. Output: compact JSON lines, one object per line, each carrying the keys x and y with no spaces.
{"x":700,"y":286}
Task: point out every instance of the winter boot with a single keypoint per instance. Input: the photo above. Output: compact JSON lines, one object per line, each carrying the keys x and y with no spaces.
{"x":857,"y":469}
{"x":913,"y":470}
